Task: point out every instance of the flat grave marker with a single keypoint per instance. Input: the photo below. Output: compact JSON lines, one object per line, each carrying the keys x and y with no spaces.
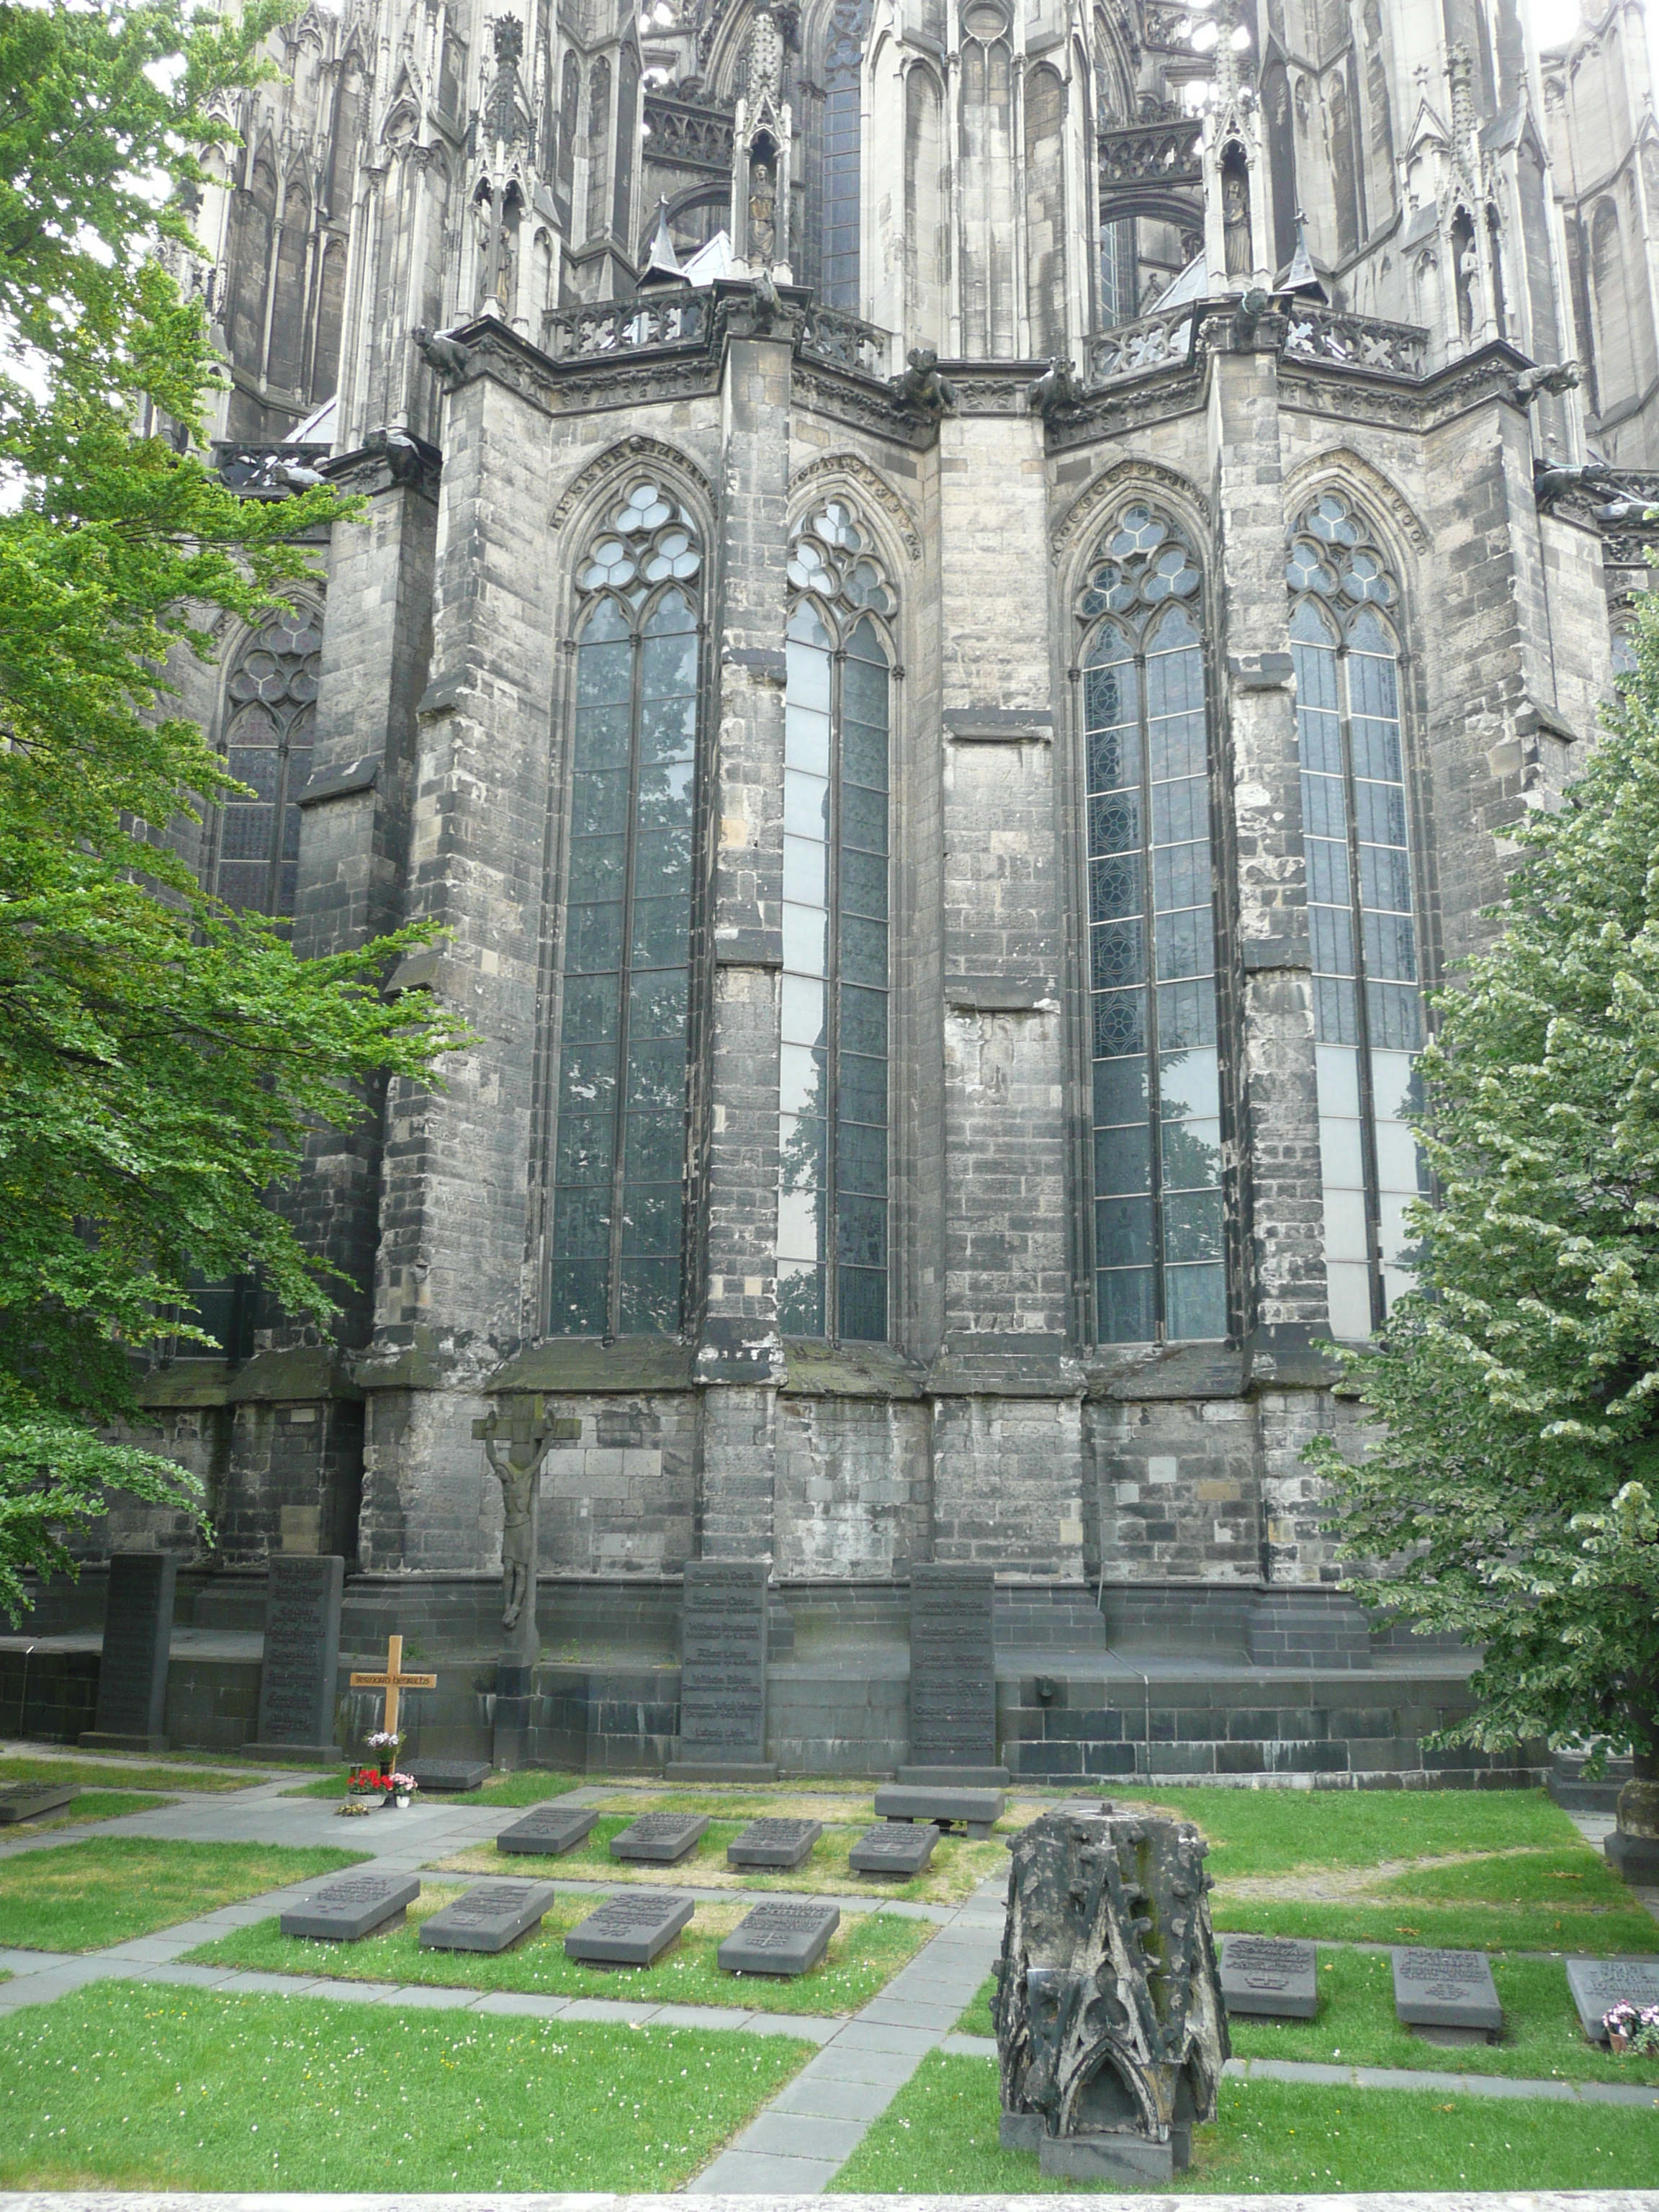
{"x":1273,"y":1977}
{"x":894,"y":1849}
{"x":301,"y":1663}
{"x":551,"y":1829}
{"x":779,"y":1938}
{"x":28,"y":1800}
{"x":953,"y":1681}
{"x":1449,"y":1994}
{"x":774,"y":1844}
{"x":490,"y":1918}
{"x":723,"y":1672}
{"x":661,"y":1838}
{"x":441,"y":1774}
{"x":633,"y":1928}
{"x":956,"y":1807}
{"x":1597,"y":1984}
{"x":352,"y":1906}
{"x":132,"y":1675}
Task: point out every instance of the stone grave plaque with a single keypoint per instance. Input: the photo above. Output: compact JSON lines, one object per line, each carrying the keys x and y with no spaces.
{"x":441,"y":1774}
{"x":779,"y":1939}
{"x":1275,"y":1977}
{"x":1450,"y":1991}
{"x":973,"y":1809}
{"x":132,"y":1675}
{"x":894,"y":1849}
{"x":661,"y":1838}
{"x":953,"y":1683}
{"x":1597,"y":1984}
{"x":774,"y":1844}
{"x":723,"y":1664}
{"x":352,"y":1906}
{"x":301,"y":1663}
{"x":551,"y":1829}
{"x":490,"y":1918}
{"x":630,"y":1929}
{"x":28,"y":1800}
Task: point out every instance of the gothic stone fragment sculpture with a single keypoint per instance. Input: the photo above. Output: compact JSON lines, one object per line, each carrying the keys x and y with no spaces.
{"x":1110,"y":2028}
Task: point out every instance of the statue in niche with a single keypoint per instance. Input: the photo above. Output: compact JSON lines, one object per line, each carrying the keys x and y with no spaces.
{"x":1468,"y":268}
{"x":1235,"y":224}
{"x":763,"y":210}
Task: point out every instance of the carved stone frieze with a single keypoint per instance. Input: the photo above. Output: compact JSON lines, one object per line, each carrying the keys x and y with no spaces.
{"x":863,"y":406}
{"x":857,"y":473}
{"x":584,"y":391}
{"x":1120,"y":414}
{"x":637,"y":448}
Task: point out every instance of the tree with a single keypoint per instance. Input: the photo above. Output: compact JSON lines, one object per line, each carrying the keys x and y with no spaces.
{"x":162,"y":1059}
{"x":1510,"y":1494}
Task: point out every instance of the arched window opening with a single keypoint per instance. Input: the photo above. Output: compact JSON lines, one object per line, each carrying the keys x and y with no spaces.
{"x":844,"y":62}
{"x":1159,"y":1256}
{"x":618,"y":1231}
{"x":271,"y":704}
{"x":1367,"y":1017}
{"x":833,"y":1091}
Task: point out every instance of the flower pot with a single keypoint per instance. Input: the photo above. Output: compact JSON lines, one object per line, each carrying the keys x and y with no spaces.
{"x":401,"y":1800}
{"x":1617,"y":2043}
{"x":365,"y":1798}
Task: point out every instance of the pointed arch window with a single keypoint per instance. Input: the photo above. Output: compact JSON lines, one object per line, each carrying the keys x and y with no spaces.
{"x":1368,"y":1012}
{"x":270,"y":710}
{"x":833,"y":1096}
{"x":617,"y":1226}
{"x":1156,"y":1225}
{"x":843,"y":101}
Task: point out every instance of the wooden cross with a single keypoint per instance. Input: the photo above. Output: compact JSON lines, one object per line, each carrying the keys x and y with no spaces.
{"x":393,"y":1682}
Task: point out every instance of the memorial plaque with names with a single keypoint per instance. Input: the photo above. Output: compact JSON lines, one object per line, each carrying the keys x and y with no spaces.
{"x":894,"y":1849}
{"x":723,"y":1662}
{"x":354,"y":1906}
{"x":301,"y":1664}
{"x":490,"y":1918}
{"x":1598,"y":1985}
{"x":629,"y":1929}
{"x":450,"y":1774}
{"x":661,"y":1838}
{"x":28,"y":1800}
{"x":550,"y":1830}
{"x":953,"y":1683}
{"x":1271,"y":1976}
{"x":132,"y":1675}
{"x":774,"y":1844}
{"x":779,"y":1939}
{"x":1446,"y":1990}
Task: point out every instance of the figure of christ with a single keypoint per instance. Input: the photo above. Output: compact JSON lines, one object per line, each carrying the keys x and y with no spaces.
{"x":518,"y":1477}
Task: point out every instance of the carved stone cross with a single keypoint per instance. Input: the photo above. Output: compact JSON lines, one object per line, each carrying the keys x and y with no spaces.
{"x":394,"y":1681}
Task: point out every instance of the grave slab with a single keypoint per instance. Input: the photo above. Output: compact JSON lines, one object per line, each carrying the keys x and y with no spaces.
{"x":974,"y":1809}
{"x":132,"y":1675}
{"x":659,"y":1838}
{"x":1271,"y":1977}
{"x":723,"y":1671}
{"x":301,"y":1662}
{"x":894,"y":1849}
{"x":1634,"y":1858}
{"x":28,"y":1800}
{"x":1599,"y":1984}
{"x":629,"y":1929}
{"x":779,"y":1938}
{"x":1447,"y":1992}
{"x":355,"y":1905}
{"x":441,"y":1774}
{"x":953,"y":1686}
{"x":490,"y":1918}
{"x":550,"y":1830}
{"x":774,"y":1844}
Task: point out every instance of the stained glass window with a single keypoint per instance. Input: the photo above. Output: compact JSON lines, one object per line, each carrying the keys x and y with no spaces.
{"x":1367,"y":1018}
{"x":832,"y":1105}
{"x":620,"y":1099}
{"x":271,"y":702}
{"x":849,"y":23}
{"x":1159,"y":1262}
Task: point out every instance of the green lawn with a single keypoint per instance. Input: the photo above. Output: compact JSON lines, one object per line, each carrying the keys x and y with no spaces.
{"x":103,"y":1774}
{"x":939,"y":2137}
{"x":90,"y":1805}
{"x":865,"y":1952}
{"x":1267,"y":1832}
{"x":1604,"y":1932}
{"x":123,"y":2085}
{"x":81,"y":1897}
{"x":530,"y":1785}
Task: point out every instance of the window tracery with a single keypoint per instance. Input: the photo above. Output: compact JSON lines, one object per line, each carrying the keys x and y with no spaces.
{"x":620,"y":1099}
{"x":1156,"y":1220}
{"x":833,"y":1096}
{"x":271,"y":700}
{"x":1368,"y":1018}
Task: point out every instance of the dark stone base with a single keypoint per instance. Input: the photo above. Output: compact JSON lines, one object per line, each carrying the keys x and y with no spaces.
{"x":955,"y":1777}
{"x":1127,"y":2158}
{"x":721,"y":1770}
{"x":91,"y":1739}
{"x":293,"y":1754}
{"x":1634,"y":1858}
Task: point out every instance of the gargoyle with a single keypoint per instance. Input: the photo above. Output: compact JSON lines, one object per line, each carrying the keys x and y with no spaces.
{"x":1055,"y":391}
{"x":1551,"y":479}
{"x":768,"y":305}
{"x":445,"y":356}
{"x":403,"y":455}
{"x":921,"y":390}
{"x":1251,"y":308}
{"x":1563,"y":376}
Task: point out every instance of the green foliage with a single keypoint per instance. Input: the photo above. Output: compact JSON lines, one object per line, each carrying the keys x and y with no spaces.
{"x":1510,"y":1494}
{"x":162,"y":1060}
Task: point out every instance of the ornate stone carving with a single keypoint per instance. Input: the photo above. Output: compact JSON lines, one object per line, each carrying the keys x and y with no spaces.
{"x":1134,"y":349}
{"x":686,"y":134}
{"x":862,"y":405}
{"x":1110,"y":487}
{"x":1151,"y":154}
{"x":1345,"y":469}
{"x":845,"y":342}
{"x":637,"y":449}
{"x":1357,"y":341}
{"x":922,"y":389}
{"x":679,"y":319}
{"x":857,"y":476}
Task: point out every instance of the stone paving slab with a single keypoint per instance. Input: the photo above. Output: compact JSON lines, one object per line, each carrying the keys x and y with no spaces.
{"x":826,"y":2098}
{"x":802,"y":2135}
{"x":755,"y":2173}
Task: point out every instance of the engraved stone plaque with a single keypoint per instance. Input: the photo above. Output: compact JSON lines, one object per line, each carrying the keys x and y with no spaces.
{"x":629,"y":1929}
{"x":132,"y":1676}
{"x":28,"y":1800}
{"x":894,"y":1849}
{"x":302,"y":1654}
{"x":1446,"y":1989}
{"x":953,"y":1686}
{"x":723,"y":1662}
{"x":779,"y":1939}
{"x":352,"y":1906}
{"x":550,"y":1830}
{"x":440,"y":1774}
{"x":1597,"y":1984}
{"x":1272,"y":1976}
{"x":662,"y":1838}
{"x":488,"y":1919}
{"x":774,"y":1844}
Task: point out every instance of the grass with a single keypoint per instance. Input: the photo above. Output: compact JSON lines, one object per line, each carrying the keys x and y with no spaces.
{"x":865,"y":1952}
{"x":530,"y":1785}
{"x":90,"y":1805}
{"x":790,"y":1802}
{"x":939,"y":2137}
{"x":124,"y":2086}
{"x":1254,"y":1833}
{"x":977,"y":2020}
{"x":957,"y":1868}
{"x":1498,"y":1926}
{"x":104,"y":1774}
{"x":81,"y":1897}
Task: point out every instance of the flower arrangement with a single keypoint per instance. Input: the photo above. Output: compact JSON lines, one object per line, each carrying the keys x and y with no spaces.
{"x":1632,"y":2028}
{"x":402,"y":1786}
{"x":364,"y":1780}
{"x":388,"y":1743}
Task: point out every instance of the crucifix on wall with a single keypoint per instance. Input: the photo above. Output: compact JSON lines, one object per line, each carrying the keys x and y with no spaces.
{"x":515,"y":1444}
{"x":394,"y":1681}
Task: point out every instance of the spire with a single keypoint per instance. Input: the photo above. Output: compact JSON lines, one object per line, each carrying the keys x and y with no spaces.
{"x":663,"y":265}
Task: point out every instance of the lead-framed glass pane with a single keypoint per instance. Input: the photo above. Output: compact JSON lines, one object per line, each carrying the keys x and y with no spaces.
{"x":270,"y":711}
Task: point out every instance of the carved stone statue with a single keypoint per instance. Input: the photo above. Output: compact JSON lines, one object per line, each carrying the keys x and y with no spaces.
{"x":763,"y":212}
{"x":1236,"y":225}
{"x":1055,"y":391}
{"x":445,"y":356}
{"x":1468,"y":268}
{"x":1547,"y":377}
{"x":1549,"y":481}
{"x":921,"y":390}
{"x":518,"y":1472}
